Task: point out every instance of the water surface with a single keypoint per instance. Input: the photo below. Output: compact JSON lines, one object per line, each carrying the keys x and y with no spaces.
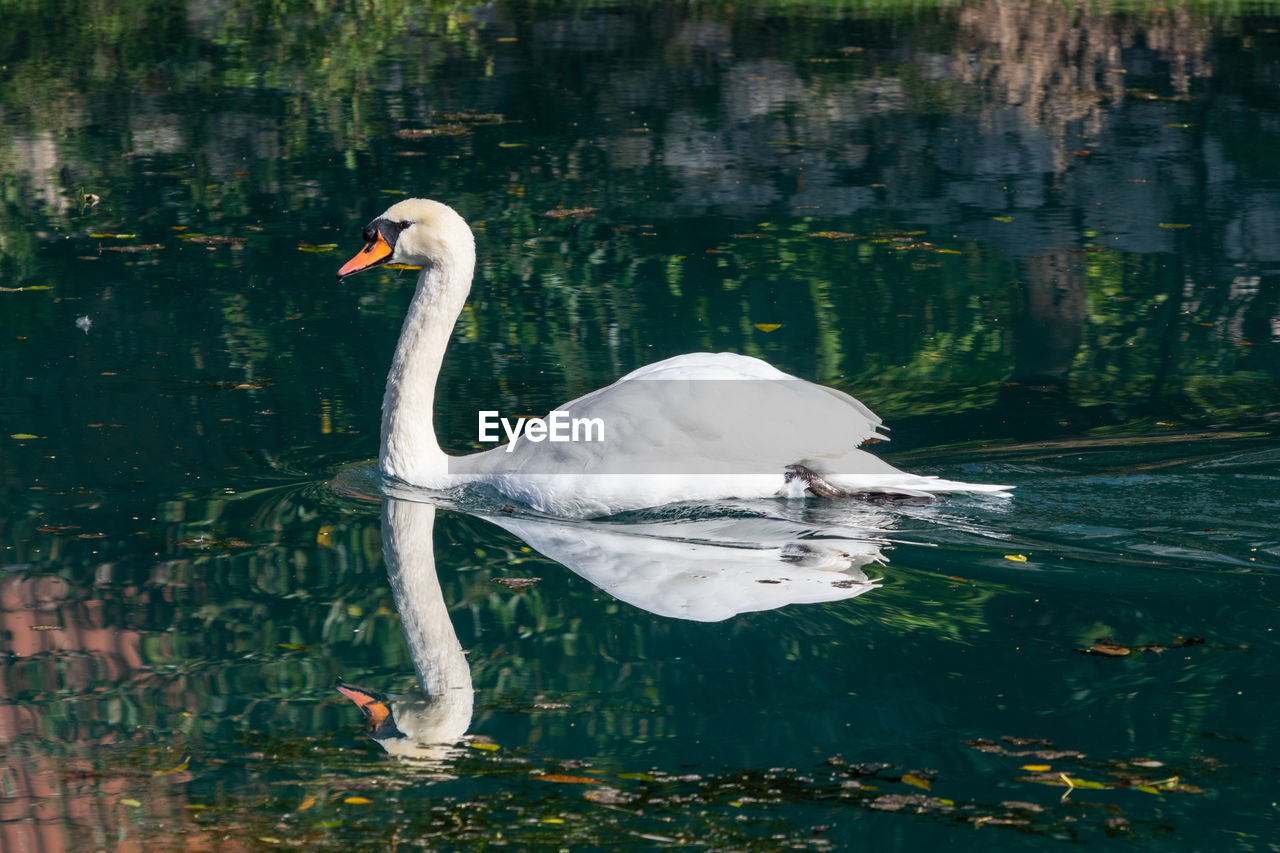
{"x":1039,"y":241}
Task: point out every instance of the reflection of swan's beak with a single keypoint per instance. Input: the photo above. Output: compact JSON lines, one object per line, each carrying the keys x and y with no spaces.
{"x":376,"y":708}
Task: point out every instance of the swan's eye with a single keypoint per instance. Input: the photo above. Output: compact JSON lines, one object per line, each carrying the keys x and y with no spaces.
{"x":391,"y":230}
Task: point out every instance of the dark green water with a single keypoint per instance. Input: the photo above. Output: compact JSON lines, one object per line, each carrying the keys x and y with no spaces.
{"x":1042,"y":242}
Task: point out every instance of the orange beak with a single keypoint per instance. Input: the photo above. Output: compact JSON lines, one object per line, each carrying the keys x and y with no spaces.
{"x":377,"y":252}
{"x":375,"y":708}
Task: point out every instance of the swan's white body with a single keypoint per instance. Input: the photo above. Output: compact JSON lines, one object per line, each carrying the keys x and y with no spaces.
{"x":697,"y":427}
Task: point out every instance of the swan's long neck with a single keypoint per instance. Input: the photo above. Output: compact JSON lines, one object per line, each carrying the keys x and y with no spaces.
{"x":409,"y":552}
{"x":410,"y":451}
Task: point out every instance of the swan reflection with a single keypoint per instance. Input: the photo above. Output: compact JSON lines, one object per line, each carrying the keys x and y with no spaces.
{"x":704,"y":570}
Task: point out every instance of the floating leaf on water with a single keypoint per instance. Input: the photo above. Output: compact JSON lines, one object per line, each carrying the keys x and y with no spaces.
{"x":23,"y":436}
{"x":1108,"y":650}
{"x":767,"y":327}
{"x":144,"y":247}
{"x":1147,"y":789}
{"x":946,"y":251}
{"x":1035,"y":767}
{"x":917,"y":781}
{"x":516,"y":583}
{"x":186,"y":762}
{"x":293,"y":647}
{"x":358,"y":801}
{"x":324,"y":536}
{"x":131,"y":802}
{"x":306,"y":804}
{"x":553,"y":820}
{"x":321,"y":247}
{"x":28,"y":287}
{"x":1017,"y":558}
{"x":1071,"y":782}
{"x":213,"y":239}
{"x":570,"y":212}
{"x":512,"y":144}
{"x":638,"y":777}
{"x":113,"y":236}
{"x":569,"y":780}
{"x":1109,"y":647}
{"x":1174,"y":225}
{"x":1003,"y":218}
{"x":488,"y":747}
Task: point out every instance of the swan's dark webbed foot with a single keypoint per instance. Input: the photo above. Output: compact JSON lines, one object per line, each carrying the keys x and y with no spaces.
{"x":820,"y":487}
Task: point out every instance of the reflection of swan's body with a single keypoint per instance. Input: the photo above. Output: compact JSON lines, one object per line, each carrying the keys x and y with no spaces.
{"x":703,"y":571}
{"x":695,"y":427}
{"x":419,"y":727}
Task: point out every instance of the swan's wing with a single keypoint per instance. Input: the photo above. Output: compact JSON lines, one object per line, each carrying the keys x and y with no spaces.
{"x":704,"y":413}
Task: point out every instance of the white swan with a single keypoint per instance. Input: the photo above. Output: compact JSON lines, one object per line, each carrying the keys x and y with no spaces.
{"x":697,"y":427}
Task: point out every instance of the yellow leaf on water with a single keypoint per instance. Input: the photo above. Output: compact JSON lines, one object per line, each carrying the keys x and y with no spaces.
{"x":917,"y":782}
{"x":113,"y":236}
{"x":186,"y":762}
{"x":306,"y":804}
{"x":358,"y":801}
{"x":947,"y":252}
{"x":23,"y":436}
{"x":553,"y":820}
{"x":490,"y":747}
{"x":1003,"y":218}
{"x":1035,"y":767}
{"x":1017,"y":558}
{"x":1148,"y":789}
{"x":131,"y":802}
{"x":768,"y":327}
{"x":1079,"y":783}
{"x":1174,"y":225}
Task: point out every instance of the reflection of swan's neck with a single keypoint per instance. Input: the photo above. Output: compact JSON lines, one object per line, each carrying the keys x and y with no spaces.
{"x":410,"y":451}
{"x":408,"y":549}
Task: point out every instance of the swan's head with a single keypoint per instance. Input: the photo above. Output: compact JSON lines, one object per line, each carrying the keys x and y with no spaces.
{"x":418,"y":232}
